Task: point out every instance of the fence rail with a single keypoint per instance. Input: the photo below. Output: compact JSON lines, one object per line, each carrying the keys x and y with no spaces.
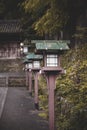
{"x":12,"y":79}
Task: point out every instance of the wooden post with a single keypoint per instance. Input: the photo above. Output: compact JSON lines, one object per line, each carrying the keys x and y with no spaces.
{"x":26,"y":78}
{"x":30,"y":82}
{"x":36,"y":90}
{"x":51,"y":86}
{"x":7,"y":81}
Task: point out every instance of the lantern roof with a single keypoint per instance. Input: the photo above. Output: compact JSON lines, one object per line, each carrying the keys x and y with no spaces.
{"x":51,"y":45}
{"x":32,"y":56}
{"x":25,"y":60}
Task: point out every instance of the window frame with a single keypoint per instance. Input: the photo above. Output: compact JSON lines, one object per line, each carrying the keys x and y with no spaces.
{"x":52,"y":60}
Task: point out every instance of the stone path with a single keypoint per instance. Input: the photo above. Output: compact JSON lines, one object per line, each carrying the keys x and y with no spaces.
{"x":19,"y":112}
{"x":3,"y":93}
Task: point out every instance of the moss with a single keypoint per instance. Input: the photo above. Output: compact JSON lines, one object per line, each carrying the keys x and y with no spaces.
{"x":43,"y":115}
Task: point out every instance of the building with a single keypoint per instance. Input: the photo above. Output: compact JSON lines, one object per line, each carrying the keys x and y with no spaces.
{"x":11,"y":66}
{"x":10,"y":36}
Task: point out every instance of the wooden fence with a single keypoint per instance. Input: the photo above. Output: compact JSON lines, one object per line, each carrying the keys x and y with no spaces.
{"x":12,"y":79}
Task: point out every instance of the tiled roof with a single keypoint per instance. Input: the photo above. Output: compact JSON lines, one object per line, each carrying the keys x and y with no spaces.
{"x":10,"y":26}
{"x":51,"y":45}
{"x":32,"y":56}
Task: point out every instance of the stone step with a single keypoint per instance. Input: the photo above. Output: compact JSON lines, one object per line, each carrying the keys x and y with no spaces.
{"x":2,"y":85}
{"x":2,"y":82}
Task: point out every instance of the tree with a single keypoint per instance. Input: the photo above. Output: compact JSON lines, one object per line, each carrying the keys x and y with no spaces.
{"x":47,"y":16}
{"x":53,"y":16}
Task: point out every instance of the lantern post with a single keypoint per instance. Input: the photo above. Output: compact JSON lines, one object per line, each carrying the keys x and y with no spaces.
{"x":24,"y":51}
{"x":25,"y":62}
{"x":24,"y":48}
{"x":35,"y":68}
{"x":30,"y":76}
{"x":51,"y":50}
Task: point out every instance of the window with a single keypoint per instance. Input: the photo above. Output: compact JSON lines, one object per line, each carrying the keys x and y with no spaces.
{"x":26,"y":66}
{"x":25,"y":49}
{"x":52,"y":60}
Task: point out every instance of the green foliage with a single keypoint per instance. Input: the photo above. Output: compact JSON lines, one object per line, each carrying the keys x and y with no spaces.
{"x":49,"y":16}
{"x":71,"y":91}
{"x":43,"y":115}
{"x":81,"y":33}
{"x":51,"y":22}
{"x":43,"y":97}
{"x":52,"y":16}
{"x":43,"y":94}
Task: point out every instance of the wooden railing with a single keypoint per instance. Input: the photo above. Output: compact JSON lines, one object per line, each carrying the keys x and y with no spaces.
{"x":12,"y":79}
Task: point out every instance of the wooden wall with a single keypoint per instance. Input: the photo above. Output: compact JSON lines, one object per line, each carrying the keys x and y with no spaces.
{"x":9,"y":50}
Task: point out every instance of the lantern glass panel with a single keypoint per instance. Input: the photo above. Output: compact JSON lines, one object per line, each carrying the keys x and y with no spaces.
{"x":25,"y":49}
{"x":26,"y":66}
{"x":21,"y":49}
{"x":29,"y":65}
{"x":36,"y":64}
{"x":52,"y":60}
